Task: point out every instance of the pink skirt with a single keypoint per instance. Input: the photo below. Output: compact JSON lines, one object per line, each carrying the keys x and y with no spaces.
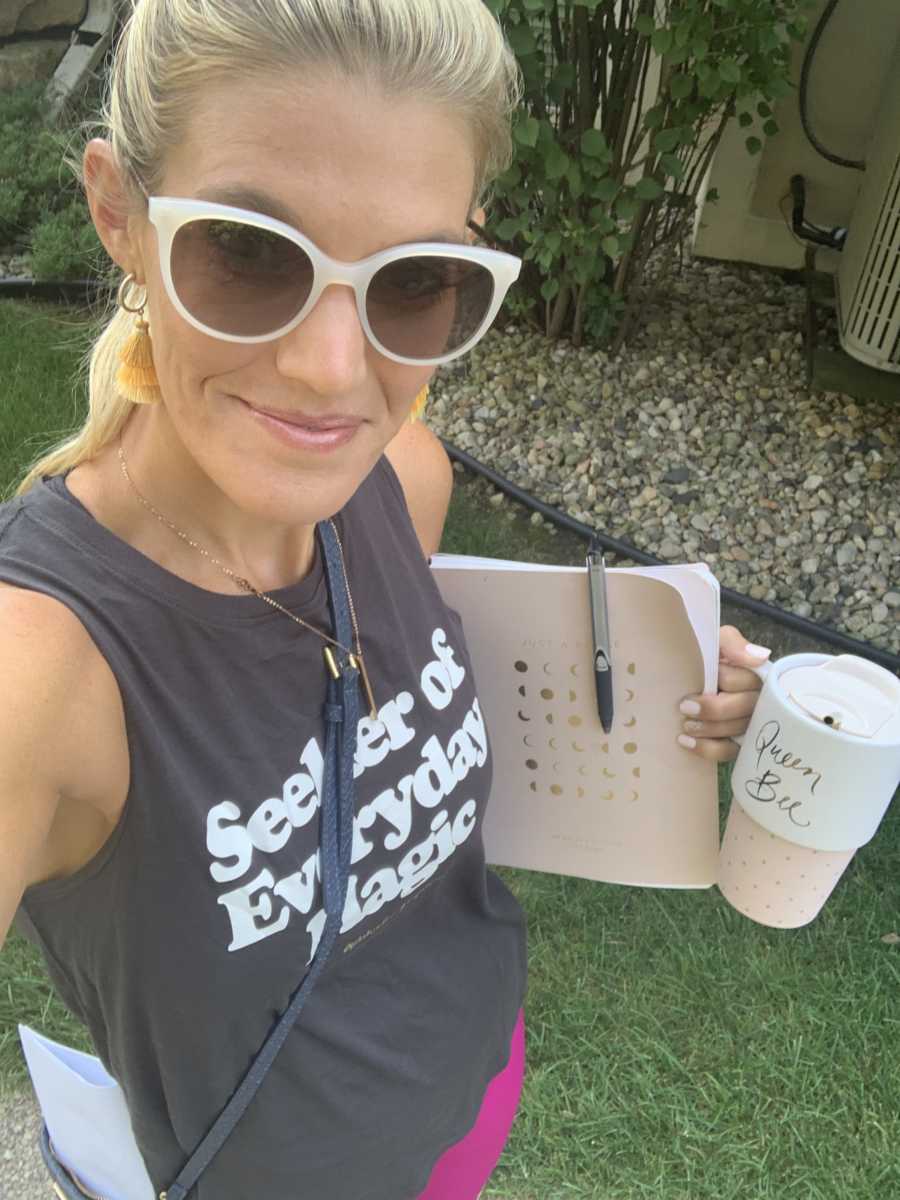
{"x":462,"y":1171}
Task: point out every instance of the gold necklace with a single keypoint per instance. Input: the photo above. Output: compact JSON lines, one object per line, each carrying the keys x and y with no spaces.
{"x":354,"y":657}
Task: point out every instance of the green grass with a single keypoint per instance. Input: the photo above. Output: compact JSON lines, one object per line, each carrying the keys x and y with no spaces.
{"x":676,"y":1050}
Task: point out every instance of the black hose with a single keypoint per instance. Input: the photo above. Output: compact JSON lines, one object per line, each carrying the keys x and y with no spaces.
{"x":857,"y":165}
{"x":832,"y":637}
{"x":61,"y":291}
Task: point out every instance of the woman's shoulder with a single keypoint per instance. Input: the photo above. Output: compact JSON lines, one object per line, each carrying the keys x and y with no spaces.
{"x":420,"y":474}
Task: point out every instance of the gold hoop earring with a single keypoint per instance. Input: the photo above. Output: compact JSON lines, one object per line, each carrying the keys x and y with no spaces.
{"x":136,"y":375}
{"x":415,"y":413}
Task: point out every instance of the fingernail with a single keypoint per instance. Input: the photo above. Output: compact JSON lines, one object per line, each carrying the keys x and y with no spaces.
{"x":688,"y":742}
{"x":693,"y":726}
{"x":757,"y":651}
{"x":690,"y":708}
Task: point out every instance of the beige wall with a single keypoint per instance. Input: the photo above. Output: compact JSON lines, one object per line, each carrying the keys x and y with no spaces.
{"x":848,"y":74}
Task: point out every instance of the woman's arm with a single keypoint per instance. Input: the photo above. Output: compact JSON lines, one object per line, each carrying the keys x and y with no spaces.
{"x":426,"y":476}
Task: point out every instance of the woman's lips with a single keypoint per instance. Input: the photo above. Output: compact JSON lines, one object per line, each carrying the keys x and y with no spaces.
{"x":323,"y":434}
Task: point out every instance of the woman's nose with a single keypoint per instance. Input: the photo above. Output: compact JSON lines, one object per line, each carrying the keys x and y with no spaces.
{"x":327,"y":350}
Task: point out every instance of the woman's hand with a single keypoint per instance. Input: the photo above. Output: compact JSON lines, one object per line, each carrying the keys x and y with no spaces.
{"x":710,"y":721}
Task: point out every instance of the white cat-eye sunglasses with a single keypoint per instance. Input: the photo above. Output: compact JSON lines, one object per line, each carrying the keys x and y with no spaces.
{"x":246,"y":277}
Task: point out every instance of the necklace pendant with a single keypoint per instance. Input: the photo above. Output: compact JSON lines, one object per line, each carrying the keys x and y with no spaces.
{"x":356,"y":660}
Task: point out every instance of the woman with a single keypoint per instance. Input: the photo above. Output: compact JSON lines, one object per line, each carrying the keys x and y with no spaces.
{"x":169,"y":729}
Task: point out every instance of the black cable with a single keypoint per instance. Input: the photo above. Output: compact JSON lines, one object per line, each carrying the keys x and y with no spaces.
{"x":832,"y":637}
{"x":61,"y":291}
{"x":857,"y":165}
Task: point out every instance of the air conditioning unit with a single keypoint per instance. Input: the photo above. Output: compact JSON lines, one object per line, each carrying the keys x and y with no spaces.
{"x":868,"y":279}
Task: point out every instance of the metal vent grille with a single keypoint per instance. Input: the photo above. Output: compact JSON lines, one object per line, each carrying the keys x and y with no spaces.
{"x":868,"y":282}
{"x":873,"y":318}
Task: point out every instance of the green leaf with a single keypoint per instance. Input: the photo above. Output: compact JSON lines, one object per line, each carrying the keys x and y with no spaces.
{"x":745,"y":119}
{"x":729,"y":71}
{"x":605,"y":189}
{"x":654,"y":117}
{"x":549,"y":288}
{"x":661,"y":41}
{"x":644,"y":25}
{"x":672,"y":165}
{"x":508,"y":228}
{"x":610,"y":245}
{"x":553,"y":241}
{"x":594,"y":143}
{"x":521,"y":39}
{"x":754,"y":145}
{"x":666,"y":140}
{"x":763,"y":109}
{"x":647,"y":189}
{"x":626,"y":207}
{"x":526,"y":130}
{"x":770,"y":128}
{"x":681,"y":86}
{"x":533,"y":5}
{"x":700,"y":49}
{"x":603,"y":222}
{"x":778,"y":88}
{"x":712,"y":195}
{"x":709,"y":87}
{"x":556,"y":163}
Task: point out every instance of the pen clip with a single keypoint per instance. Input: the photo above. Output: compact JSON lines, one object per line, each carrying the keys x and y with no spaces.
{"x":596,"y":565}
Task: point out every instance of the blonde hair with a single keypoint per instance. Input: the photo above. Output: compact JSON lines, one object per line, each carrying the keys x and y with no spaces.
{"x":446,"y":52}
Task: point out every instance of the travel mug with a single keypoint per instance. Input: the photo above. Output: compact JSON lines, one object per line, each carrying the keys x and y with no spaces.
{"x":816,"y":771}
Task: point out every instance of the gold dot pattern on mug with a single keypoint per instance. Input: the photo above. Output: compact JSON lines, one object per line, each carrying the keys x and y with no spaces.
{"x":771,"y":880}
{"x":578,"y":738}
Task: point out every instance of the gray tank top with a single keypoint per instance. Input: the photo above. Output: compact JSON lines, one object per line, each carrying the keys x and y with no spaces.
{"x":181,"y":942}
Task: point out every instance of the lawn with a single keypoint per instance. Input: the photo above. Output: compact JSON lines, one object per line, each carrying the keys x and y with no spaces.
{"x":676,"y":1050}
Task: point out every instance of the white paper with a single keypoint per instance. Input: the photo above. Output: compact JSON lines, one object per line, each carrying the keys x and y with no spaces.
{"x":87,"y":1118}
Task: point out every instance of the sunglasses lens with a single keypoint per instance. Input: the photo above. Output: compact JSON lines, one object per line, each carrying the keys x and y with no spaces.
{"x":245,"y":281}
{"x":237,"y":278}
{"x":423,"y":307}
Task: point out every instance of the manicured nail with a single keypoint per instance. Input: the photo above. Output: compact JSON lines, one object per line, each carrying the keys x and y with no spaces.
{"x":693,"y":726}
{"x":690,"y":708}
{"x":688,"y":742}
{"x":757,"y":651}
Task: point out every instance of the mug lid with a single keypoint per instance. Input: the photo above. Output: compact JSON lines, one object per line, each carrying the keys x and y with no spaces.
{"x":846,"y":693}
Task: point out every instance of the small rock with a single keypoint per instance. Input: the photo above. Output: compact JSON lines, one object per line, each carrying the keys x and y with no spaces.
{"x":677,"y":475}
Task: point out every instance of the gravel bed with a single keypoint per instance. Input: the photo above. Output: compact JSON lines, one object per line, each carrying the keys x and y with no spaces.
{"x":700,"y":442}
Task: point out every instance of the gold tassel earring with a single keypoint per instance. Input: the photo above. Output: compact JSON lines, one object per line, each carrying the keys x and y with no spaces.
{"x":418,"y":407}
{"x":136,"y":377}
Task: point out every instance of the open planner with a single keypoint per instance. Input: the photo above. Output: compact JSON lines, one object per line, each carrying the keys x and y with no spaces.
{"x":631,"y":806}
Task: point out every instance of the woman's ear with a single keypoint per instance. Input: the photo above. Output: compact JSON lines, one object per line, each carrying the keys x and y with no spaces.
{"x":112,"y":208}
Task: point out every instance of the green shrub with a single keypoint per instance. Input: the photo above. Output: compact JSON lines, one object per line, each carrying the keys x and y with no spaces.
{"x":625,"y":103}
{"x":41,"y":203}
{"x":64,"y":245}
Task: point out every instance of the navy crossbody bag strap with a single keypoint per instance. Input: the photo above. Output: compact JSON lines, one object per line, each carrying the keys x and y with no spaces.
{"x":341,"y":711}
